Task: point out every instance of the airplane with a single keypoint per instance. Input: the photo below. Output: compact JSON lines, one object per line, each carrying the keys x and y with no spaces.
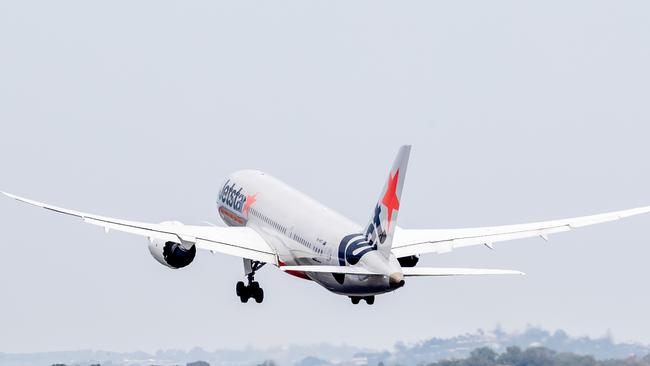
{"x":269,"y":222}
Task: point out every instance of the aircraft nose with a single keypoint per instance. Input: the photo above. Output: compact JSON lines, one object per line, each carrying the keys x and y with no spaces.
{"x":396,"y":280}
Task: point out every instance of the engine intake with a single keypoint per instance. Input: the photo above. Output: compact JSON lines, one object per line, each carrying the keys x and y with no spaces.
{"x":171,"y":254}
{"x":409,"y":261}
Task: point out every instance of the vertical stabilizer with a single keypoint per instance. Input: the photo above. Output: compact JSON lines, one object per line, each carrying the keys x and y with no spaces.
{"x":382,"y":224}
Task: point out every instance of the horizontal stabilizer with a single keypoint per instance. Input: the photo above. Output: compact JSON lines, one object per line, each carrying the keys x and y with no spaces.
{"x":330,"y":269}
{"x":428,"y":271}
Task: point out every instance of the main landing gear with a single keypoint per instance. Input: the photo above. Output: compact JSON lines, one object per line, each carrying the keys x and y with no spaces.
{"x":369,"y":299}
{"x":253,"y":289}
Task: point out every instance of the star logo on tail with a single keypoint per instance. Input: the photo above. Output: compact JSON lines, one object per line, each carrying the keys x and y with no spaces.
{"x":390,"y":199}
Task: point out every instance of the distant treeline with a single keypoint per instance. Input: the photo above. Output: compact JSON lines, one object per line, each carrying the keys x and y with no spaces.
{"x":485,"y":356}
{"x":536,"y":356}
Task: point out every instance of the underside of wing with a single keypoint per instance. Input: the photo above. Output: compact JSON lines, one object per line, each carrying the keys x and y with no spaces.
{"x":424,"y":271}
{"x":413,"y":242}
{"x":237,"y":241}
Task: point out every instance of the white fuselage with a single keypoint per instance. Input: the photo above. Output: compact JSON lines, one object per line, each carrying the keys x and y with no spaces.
{"x":303,"y":232}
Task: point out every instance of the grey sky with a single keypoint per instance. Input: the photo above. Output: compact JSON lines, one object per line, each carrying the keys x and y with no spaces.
{"x":517,"y":111}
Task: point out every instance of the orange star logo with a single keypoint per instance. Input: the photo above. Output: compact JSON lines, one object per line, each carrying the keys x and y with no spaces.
{"x":390,"y":199}
{"x":249,"y":201}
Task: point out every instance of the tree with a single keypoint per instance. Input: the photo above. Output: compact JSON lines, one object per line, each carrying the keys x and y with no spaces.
{"x":511,"y":357}
{"x":570,"y":359}
{"x":646,"y":360}
{"x":198,"y":363}
{"x":482,"y":357}
{"x":267,"y":363}
{"x":537,"y":356}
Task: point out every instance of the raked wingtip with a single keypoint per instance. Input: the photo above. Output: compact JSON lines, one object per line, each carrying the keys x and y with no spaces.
{"x":11,"y":195}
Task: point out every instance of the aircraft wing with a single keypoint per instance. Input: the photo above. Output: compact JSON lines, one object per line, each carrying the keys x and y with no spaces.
{"x":237,"y":241}
{"x":414,"y":242}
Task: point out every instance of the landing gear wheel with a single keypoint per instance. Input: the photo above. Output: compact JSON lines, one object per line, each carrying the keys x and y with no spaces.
{"x":370,"y":300}
{"x":355,"y":299}
{"x":241,"y":288}
{"x":244,"y":295}
{"x":253,"y":289}
{"x":258,"y":295}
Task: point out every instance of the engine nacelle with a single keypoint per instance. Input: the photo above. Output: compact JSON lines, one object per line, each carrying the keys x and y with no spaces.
{"x":172,"y":254}
{"x":410,"y":261}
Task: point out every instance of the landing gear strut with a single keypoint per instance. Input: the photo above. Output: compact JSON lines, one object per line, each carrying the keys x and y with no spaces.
{"x":253,"y":289}
{"x":369,"y":299}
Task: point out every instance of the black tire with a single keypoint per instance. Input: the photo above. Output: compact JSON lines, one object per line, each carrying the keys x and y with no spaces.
{"x":259,"y":295}
{"x":370,"y":300}
{"x":355,"y":300}
{"x":241,"y":288}
{"x":254,"y":286}
{"x":244,"y":298}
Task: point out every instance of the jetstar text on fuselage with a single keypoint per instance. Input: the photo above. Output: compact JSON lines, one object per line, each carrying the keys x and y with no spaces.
{"x":233,"y":197}
{"x":234,"y":205}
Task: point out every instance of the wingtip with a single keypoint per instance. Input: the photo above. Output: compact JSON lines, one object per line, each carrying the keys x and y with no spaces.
{"x":12,"y":196}
{"x":513,"y":272}
{"x":21,"y":199}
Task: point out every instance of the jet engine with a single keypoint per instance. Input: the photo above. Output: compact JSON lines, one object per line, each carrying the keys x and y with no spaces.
{"x":409,"y":261}
{"x":171,"y":254}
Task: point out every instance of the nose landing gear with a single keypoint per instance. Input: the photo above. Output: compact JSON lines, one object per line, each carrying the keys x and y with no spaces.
{"x":356,"y":299}
{"x":253,"y":289}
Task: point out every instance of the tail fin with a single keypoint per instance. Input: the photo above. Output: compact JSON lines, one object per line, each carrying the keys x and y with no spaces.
{"x":382,"y":224}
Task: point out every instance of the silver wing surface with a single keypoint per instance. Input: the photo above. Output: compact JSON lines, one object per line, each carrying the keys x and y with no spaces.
{"x":236,"y":241}
{"x":414,"y":242}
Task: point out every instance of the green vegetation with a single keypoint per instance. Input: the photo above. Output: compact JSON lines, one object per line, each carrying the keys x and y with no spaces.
{"x":536,"y":356}
{"x":198,"y":363}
